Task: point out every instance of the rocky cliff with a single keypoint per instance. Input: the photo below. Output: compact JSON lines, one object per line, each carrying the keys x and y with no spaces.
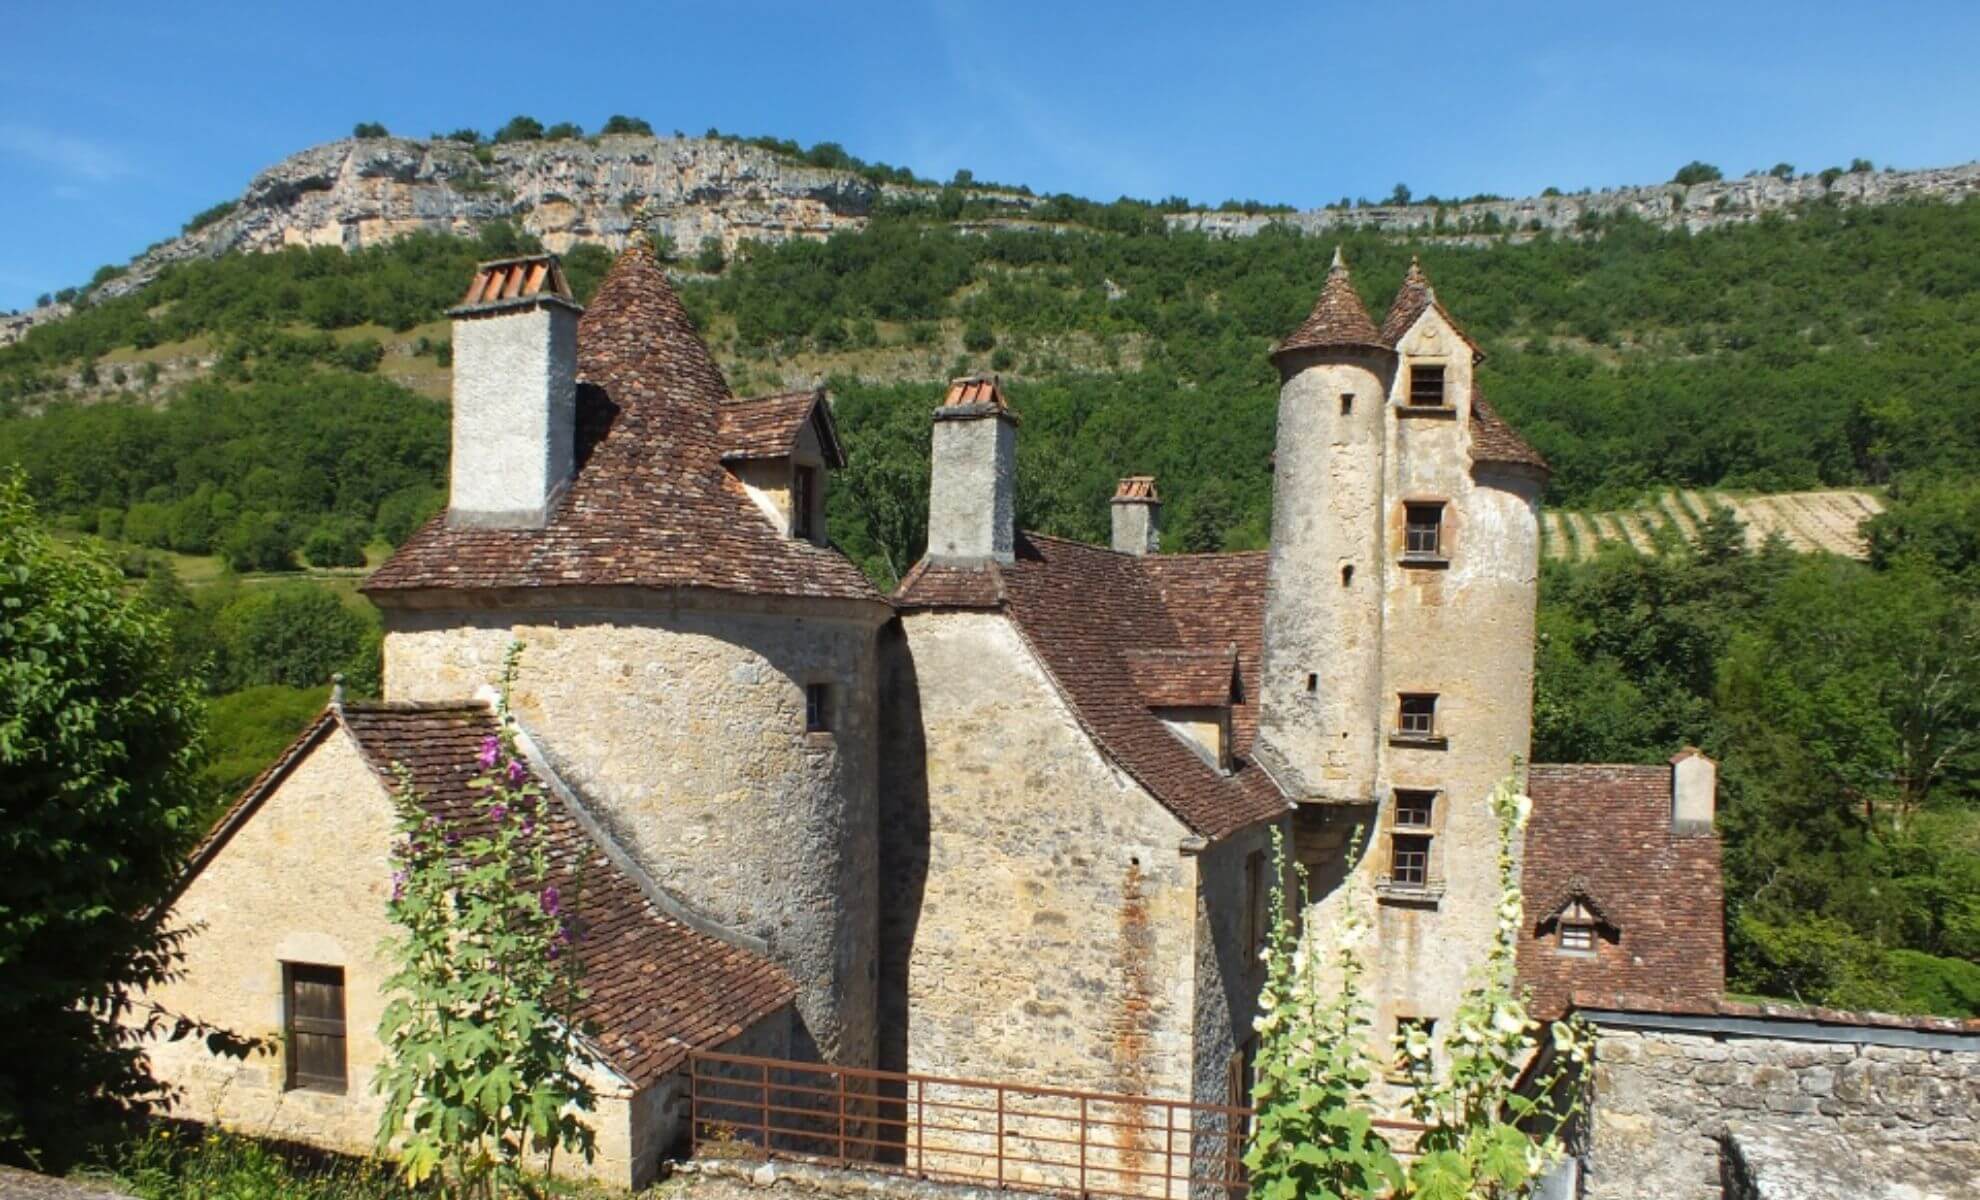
{"x":355,"y":193}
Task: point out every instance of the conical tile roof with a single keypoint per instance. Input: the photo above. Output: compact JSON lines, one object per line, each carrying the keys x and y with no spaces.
{"x":1338,"y":317}
{"x":1413,"y":298}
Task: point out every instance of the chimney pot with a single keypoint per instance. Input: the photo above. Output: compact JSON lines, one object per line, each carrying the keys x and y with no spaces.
{"x":1694,"y":791}
{"x":1137,"y":510}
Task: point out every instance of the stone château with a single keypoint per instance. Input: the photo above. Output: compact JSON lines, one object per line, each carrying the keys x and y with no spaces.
{"x":1011,"y":822}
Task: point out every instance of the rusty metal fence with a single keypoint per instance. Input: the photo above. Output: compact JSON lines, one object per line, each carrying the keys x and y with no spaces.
{"x":1003,"y":1135}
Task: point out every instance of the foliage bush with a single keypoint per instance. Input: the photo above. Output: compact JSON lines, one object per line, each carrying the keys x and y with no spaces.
{"x":99,"y":744}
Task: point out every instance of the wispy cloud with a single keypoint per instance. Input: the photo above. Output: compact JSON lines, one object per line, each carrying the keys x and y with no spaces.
{"x":75,"y":157}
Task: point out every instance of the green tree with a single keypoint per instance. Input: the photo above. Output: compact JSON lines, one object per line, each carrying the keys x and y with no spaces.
{"x":294,"y":634}
{"x":617,"y":123}
{"x":1697,"y":172}
{"x":519,"y":129}
{"x":369,"y":129}
{"x":99,"y":742}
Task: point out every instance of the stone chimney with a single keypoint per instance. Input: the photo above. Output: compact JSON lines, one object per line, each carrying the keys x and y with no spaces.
{"x":972,"y":483}
{"x":1137,"y":514}
{"x":1694,"y":791}
{"x":515,"y":394}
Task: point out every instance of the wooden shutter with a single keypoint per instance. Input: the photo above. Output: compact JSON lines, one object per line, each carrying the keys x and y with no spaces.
{"x":315,"y":1008}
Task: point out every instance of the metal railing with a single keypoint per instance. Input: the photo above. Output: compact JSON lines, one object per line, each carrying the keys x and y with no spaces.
{"x":1005,"y":1135}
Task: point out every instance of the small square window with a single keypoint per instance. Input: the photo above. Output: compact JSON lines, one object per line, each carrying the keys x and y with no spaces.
{"x":1578,"y":939}
{"x":817,"y":707}
{"x":1417,"y":716}
{"x":1404,"y":1027}
{"x":1426,"y":386}
{"x":313,"y":1022}
{"x":1409,"y":860}
{"x":1413,"y":809}
{"x":1423,"y":530}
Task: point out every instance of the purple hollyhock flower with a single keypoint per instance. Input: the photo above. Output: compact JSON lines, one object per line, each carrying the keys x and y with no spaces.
{"x":516,"y":772}
{"x":498,"y":812}
{"x":491,"y":749}
{"x":398,"y":885}
{"x":551,"y":900}
{"x":453,"y":837}
{"x":528,"y":826}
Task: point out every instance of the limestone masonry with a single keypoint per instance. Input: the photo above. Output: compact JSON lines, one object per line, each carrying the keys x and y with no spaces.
{"x":1011,"y":823}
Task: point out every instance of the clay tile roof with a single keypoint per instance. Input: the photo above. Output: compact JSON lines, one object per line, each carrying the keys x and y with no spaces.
{"x":655,"y":988}
{"x":1137,"y":487}
{"x":1412,"y":299}
{"x":971,"y":391}
{"x":1338,"y":317}
{"x":1492,"y":440}
{"x":651,"y":504}
{"x":1603,"y":832}
{"x":509,"y":281}
{"x":768,"y":426}
{"x":1093,"y":615}
{"x":1185,"y":678}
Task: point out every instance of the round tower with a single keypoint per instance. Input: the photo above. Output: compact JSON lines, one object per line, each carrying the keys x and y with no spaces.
{"x":1322,"y":668}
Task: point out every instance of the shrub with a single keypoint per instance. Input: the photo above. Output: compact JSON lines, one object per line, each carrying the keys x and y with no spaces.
{"x":406,"y":510}
{"x":978,"y":337}
{"x":362,"y":355}
{"x":258,"y":541}
{"x":710,"y":258}
{"x":617,"y":123}
{"x":563,"y":131}
{"x":520,"y":129}
{"x":334,"y":543}
{"x":207,"y":216}
{"x":1696,"y":172}
{"x":369,"y":129}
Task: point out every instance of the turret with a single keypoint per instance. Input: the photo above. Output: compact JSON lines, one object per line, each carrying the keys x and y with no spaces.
{"x":515,"y":394}
{"x":1322,"y":670}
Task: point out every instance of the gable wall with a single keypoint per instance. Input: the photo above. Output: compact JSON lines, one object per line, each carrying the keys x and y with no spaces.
{"x":305,"y":879}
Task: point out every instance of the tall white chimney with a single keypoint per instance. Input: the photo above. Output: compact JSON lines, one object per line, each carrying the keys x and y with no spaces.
{"x":515,"y":394}
{"x":1137,"y":516}
{"x":972,"y":482}
{"x":1694,"y":791}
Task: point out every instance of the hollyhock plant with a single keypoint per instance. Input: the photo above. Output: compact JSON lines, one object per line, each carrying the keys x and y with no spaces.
{"x":484,"y":1077}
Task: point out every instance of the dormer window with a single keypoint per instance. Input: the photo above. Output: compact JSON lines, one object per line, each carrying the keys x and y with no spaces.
{"x":1577,"y":939}
{"x":804,"y":496}
{"x":1426,"y":385}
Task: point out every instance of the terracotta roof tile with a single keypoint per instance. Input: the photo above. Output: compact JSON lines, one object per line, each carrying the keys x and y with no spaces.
{"x":768,"y":426}
{"x":1412,"y":300}
{"x":1492,"y":440}
{"x":972,"y":390}
{"x":1137,"y":487}
{"x":1338,"y":317}
{"x":1604,"y":830}
{"x":655,"y":988}
{"x":651,"y":504}
{"x":1092,"y":613}
{"x":504,"y":281}
{"x":1184,"y":678}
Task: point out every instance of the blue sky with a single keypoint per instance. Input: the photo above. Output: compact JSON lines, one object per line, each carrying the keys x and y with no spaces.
{"x":118,"y":121}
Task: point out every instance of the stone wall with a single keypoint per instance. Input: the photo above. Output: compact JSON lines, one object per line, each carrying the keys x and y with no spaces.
{"x":1041,"y":912}
{"x":306,"y":881}
{"x":685,"y":732}
{"x":1666,"y":1102}
{"x":515,"y":414}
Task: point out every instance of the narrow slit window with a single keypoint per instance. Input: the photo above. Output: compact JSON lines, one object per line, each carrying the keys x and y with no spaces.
{"x":804,"y":491}
{"x":1426,"y":386}
{"x":1347,"y":404}
{"x":1417,"y":716}
{"x":1423,"y":530}
{"x":1347,"y":575}
{"x":1312,"y":681}
{"x":313,"y":1008}
{"x":817,"y":708}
